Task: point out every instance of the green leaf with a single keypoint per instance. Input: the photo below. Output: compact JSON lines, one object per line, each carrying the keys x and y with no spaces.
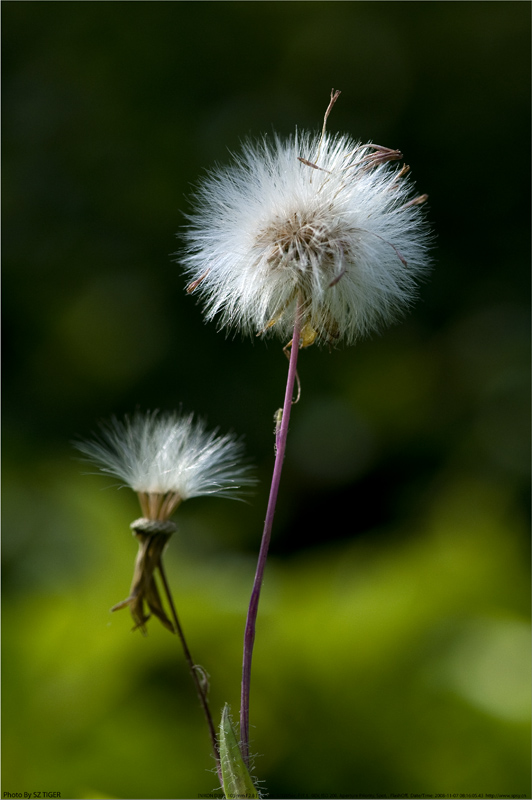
{"x":236,"y":778}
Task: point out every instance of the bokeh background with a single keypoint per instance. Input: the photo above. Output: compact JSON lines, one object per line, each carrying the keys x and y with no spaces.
{"x":393,"y":644}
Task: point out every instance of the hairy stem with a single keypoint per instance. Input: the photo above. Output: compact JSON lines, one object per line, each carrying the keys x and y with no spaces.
{"x":195,"y":672}
{"x":249,"y":633}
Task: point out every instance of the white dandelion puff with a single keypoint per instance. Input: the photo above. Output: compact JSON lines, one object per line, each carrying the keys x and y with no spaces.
{"x":318,"y":220}
{"x":167,"y":458}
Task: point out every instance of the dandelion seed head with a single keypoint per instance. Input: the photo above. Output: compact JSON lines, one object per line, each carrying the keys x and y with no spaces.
{"x":168,"y":455}
{"x":321,"y":218}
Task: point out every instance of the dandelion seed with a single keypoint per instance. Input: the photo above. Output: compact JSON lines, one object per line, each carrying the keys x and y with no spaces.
{"x":317,"y":218}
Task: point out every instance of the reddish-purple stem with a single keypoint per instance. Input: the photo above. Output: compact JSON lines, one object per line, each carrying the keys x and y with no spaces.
{"x":249,"y":634}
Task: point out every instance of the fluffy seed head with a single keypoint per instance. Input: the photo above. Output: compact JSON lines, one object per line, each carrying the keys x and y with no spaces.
{"x":318,"y":218}
{"x":167,"y":458}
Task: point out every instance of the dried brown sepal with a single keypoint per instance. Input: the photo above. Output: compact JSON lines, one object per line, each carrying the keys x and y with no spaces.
{"x":194,"y":285}
{"x":314,"y":166}
{"x":381,"y":156}
{"x":417,"y":201}
{"x":335,"y":94}
{"x":405,"y":169}
{"x":143,"y":587}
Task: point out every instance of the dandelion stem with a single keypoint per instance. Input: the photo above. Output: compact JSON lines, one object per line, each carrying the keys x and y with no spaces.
{"x":249,"y":634}
{"x":201,"y":690}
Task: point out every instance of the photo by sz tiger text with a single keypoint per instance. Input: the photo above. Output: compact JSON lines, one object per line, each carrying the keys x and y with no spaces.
{"x":30,"y":795}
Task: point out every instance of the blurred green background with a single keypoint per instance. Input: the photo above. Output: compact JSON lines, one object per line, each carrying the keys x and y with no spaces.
{"x":393,"y":644}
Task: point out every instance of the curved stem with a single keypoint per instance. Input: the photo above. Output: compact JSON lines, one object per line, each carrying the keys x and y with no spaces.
{"x":249,"y":633}
{"x":201,"y":690}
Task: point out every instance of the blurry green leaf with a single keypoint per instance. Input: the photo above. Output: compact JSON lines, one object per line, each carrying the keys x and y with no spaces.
{"x":236,"y":778}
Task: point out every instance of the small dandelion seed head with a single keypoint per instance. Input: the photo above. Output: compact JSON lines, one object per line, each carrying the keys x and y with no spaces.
{"x":316,"y":217}
{"x":169,"y":457}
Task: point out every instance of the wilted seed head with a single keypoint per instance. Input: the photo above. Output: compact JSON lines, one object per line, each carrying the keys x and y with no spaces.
{"x":319,"y":218}
{"x":167,"y":458}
